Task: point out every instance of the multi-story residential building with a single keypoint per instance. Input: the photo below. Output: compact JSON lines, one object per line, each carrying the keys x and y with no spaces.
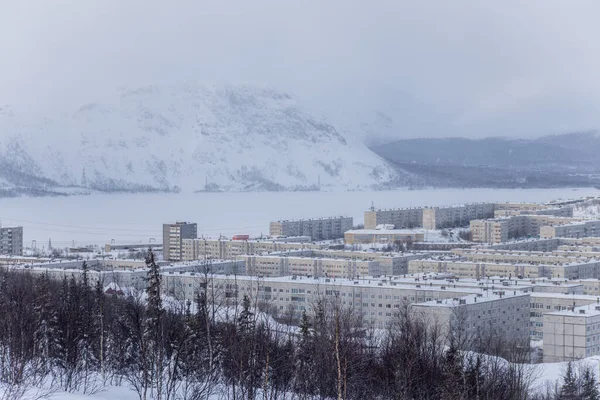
{"x":225,"y":249}
{"x":310,"y":266}
{"x":173,"y":236}
{"x":504,"y":313}
{"x":400,"y":218}
{"x":489,"y":231}
{"x":480,"y":270}
{"x":500,"y":230}
{"x":572,"y":334}
{"x":566,"y":211}
{"x":543,"y":303}
{"x":572,"y":230}
{"x":317,"y":229}
{"x":382,"y":236}
{"x":456,"y":216}
{"x":330,"y":263}
{"x":429,"y":217}
{"x":11,"y":241}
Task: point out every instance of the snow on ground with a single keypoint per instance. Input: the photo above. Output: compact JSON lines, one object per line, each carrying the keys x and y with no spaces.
{"x":589,"y":209}
{"x":135,"y":218}
{"x":550,"y":372}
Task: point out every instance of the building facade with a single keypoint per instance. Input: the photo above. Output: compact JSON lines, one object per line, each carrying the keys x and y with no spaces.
{"x":429,"y":217}
{"x":317,"y":229}
{"x":173,"y":236}
{"x":11,"y":241}
{"x":381,"y":236}
{"x":572,"y":334}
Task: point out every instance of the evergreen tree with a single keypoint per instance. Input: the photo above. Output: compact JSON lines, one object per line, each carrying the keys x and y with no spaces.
{"x":568,"y":391}
{"x":152,"y":344}
{"x":246,"y":317}
{"x":589,"y":390}
{"x":154,"y":300}
{"x":47,"y":334}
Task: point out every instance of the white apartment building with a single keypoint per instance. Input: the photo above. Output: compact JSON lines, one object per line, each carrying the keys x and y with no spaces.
{"x":572,"y":334}
{"x":504,"y":313}
{"x":500,"y":230}
{"x":572,"y":230}
{"x":317,"y":229}
{"x":450,"y":217}
{"x":401,"y":218}
{"x":382,"y":236}
{"x":429,"y":217}
{"x":11,"y":241}
{"x":273,"y":265}
{"x":225,"y":249}
{"x":173,"y":236}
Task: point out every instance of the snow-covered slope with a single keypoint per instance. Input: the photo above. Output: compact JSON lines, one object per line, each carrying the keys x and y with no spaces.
{"x":187,"y":137}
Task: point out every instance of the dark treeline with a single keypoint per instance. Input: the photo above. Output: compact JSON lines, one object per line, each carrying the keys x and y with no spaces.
{"x":68,"y":335}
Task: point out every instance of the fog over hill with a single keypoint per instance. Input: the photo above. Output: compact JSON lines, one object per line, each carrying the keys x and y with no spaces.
{"x":185,"y":137}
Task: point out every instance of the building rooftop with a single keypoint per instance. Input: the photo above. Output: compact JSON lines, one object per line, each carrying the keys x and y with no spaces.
{"x":474,"y":298}
{"x":388,"y":231}
{"x":590,"y":310}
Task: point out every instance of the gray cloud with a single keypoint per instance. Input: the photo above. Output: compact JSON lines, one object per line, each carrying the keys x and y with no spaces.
{"x":435,"y":68}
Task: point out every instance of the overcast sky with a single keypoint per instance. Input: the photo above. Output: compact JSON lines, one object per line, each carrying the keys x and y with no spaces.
{"x":477,"y":68}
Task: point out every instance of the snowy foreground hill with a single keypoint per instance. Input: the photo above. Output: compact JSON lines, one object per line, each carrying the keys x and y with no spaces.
{"x":187,"y":137}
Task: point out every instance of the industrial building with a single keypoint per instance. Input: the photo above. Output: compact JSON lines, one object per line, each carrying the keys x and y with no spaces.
{"x":11,"y":241}
{"x":317,"y":229}
{"x":173,"y":236}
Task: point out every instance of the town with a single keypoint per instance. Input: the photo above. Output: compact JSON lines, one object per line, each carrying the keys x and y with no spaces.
{"x":528,"y":271}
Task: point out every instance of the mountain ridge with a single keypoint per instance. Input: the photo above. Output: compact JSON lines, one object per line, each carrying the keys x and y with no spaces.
{"x":186,"y":137}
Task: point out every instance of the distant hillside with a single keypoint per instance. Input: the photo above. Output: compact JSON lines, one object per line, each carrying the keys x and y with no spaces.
{"x":557,"y":160}
{"x":185,"y":137}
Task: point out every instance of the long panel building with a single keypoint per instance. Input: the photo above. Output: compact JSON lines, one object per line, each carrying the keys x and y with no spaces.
{"x":317,"y":229}
{"x":429,"y":217}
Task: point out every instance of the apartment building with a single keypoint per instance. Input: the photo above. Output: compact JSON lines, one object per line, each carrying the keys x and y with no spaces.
{"x":566,"y":211}
{"x":450,"y":217}
{"x":274,"y":265}
{"x":382,"y":236}
{"x":317,"y":229}
{"x":543,"y":303}
{"x":504,"y":313}
{"x":390,"y":263}
{"x":11,"y":241}
{"x":400,"y":218}
{"x":224,"y":249}
{"x":173,"y":236}
{"x":572,"y":334}
{"x":375,"y":300}
{"x":479,"y":270}
{"x":518,"y":256}
{"x":429,"y":217}
{"x":572,"y":230}
{"x":500,"y":230}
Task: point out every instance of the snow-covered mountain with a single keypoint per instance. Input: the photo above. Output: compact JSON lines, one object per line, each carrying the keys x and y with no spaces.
{"x":187,"y":137}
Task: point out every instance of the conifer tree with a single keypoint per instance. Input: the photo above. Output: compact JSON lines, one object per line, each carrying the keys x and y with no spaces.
{"x":589,"y":390}
{"x":568,"y":391}
{"x":153,"y":350}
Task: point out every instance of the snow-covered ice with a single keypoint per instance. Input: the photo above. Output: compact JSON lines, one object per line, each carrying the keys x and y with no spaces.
{"x":98,"y":218}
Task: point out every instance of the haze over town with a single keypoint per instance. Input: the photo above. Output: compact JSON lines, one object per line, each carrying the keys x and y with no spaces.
{"x":208,"y":200}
